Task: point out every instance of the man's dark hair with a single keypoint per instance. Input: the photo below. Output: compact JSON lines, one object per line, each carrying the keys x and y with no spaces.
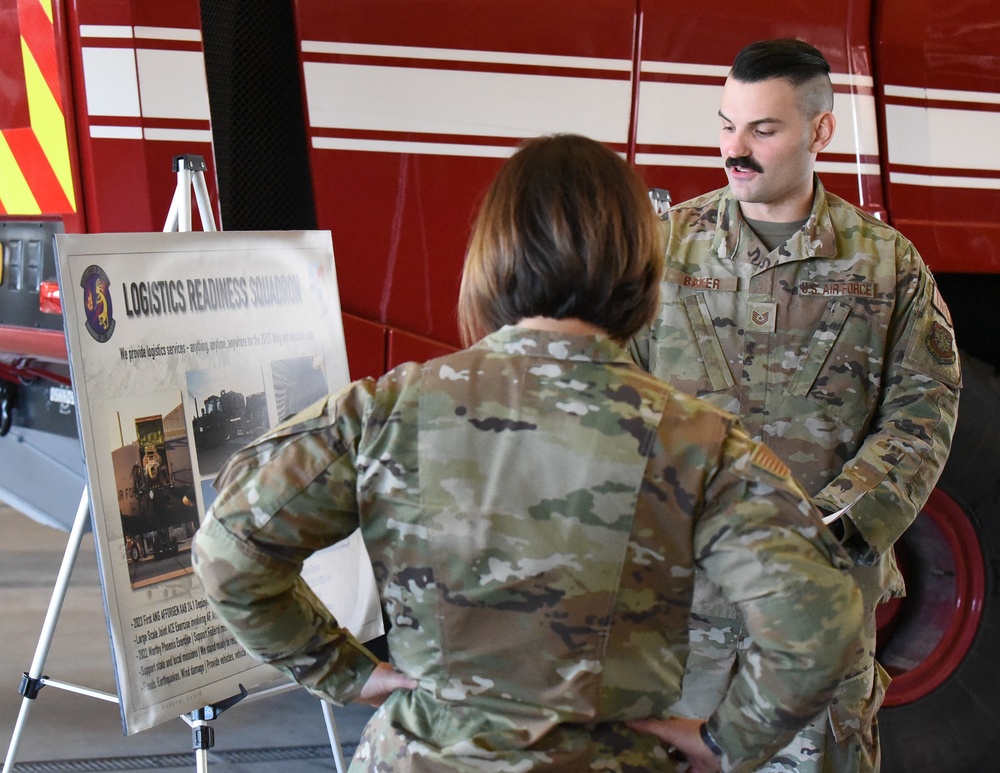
{"x":794,"y":60}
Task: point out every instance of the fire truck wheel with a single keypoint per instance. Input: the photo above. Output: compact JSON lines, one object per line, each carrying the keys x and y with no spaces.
{"x":941,"y":642}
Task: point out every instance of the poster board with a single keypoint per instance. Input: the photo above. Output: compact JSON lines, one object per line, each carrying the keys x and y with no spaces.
{"x":183,"y":348}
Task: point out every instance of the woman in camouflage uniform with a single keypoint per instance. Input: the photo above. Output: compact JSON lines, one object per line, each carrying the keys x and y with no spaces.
{"x":534,"y":506}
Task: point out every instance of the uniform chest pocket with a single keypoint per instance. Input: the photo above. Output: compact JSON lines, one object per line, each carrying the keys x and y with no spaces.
{"x":716,"y":368}
{"x":817,"y":353}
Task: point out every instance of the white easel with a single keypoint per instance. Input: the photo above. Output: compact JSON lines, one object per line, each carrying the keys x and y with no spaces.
{"x":190,"y":171}
{"x":32,"y":681}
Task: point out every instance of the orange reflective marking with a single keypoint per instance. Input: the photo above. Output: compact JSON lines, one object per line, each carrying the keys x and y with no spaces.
{"x":37,"y":31}
{"x":44,"y":184}
{"x":37,"y":173}
{"x":14,"y":95}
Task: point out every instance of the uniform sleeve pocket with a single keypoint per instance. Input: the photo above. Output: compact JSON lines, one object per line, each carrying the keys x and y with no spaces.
{"x":931,"y":350}
{"x":820,"y":347}
{"x":856,"y":701}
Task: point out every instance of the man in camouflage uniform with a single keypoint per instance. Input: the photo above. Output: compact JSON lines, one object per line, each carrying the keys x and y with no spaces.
{"x":534,"y":507}
{"x":821,"y":328}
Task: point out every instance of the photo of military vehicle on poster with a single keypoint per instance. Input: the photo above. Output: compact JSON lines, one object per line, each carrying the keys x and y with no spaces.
{"x":218,"y":429}
{"x":230,"y":410}
{"x":155,"y":482}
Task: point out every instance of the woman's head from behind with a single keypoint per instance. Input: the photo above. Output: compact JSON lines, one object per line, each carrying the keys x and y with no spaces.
{"x":565,"y":231}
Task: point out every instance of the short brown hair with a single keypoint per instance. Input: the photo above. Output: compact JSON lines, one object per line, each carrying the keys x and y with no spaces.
{"x":566,"y":230}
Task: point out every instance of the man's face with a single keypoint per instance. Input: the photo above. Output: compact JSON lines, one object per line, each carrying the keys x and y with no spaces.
{"x":769,"y":149}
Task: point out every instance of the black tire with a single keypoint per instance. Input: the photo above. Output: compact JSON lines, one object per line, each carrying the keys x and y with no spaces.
{"x":955,"y":727}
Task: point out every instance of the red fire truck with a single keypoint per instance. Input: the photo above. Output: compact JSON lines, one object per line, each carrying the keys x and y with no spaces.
{"x":384,"y":120}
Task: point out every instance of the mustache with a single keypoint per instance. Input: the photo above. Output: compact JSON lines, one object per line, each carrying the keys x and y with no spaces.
{"x":744,"y":162}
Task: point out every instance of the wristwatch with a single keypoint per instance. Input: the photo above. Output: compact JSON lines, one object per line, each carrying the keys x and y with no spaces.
{"x":709,"y":741}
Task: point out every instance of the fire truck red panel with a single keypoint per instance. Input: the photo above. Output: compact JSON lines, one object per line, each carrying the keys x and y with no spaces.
{"x":366,"y":347}
{"x":406,"y":347}
{"x":408,"y":121}
{"x":14,"y":96}
{"x":940,"y":70}
{"x":556,"y":27}
{"x":142,"y":98}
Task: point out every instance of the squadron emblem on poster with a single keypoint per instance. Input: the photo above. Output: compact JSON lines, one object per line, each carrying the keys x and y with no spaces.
{"x":100,"y":321}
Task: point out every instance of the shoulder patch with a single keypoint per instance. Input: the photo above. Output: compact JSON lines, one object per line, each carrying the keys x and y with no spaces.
{"x":763,"y":458}
{"x":932,"y":351}
{"x":941,"y":344}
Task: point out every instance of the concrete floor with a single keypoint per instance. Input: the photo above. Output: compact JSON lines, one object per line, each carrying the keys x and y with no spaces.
{"x":66,"y":731}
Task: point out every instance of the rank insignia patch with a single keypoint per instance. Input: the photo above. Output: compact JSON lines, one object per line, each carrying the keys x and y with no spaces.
{"x":762,"y":317}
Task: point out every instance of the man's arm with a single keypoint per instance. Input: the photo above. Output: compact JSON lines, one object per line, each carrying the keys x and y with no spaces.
{"x":897,"y":466}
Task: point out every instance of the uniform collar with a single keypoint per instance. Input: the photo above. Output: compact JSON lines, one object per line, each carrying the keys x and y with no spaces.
{"x":817,"y":239}
{"x":529,"y":342}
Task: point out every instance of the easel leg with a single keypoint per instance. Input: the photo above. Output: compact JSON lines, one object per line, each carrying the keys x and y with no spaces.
{"x":203,"y":737}
{"x":202,"y":734}
{"x":190,"y":169}
{"x":331,"y":730}
{"x":49,"y":626}
{"x":203,"y":201}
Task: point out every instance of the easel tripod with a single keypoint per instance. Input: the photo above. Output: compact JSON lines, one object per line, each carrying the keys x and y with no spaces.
{"x":32,"y":680}
{"x":190,"y":171}
{"x":190,"y":177}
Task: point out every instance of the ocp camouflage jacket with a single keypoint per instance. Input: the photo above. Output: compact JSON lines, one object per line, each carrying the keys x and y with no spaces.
{"x":836,"y":350}
{"x":533,"y":507}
